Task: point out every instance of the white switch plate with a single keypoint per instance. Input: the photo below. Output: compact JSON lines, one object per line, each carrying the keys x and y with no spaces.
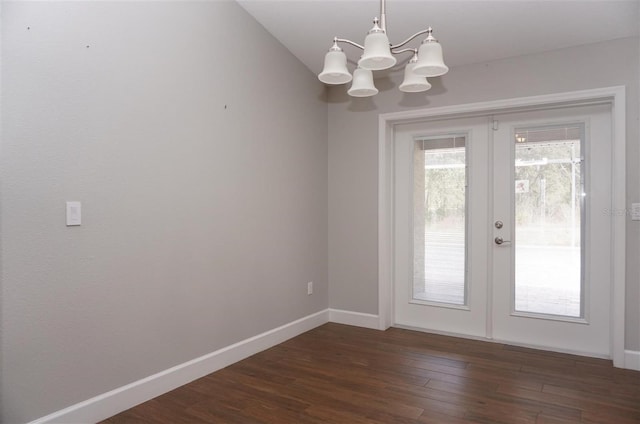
{"x":310,"y":288}
{"x":74,"y":213}
{"x":635,"y":211}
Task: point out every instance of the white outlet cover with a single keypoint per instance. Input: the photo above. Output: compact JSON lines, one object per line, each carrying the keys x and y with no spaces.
{"x":635,"y":211}
{"x":74,"y":213}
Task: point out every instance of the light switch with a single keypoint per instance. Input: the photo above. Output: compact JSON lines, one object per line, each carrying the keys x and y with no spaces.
{"x":635,"y":211}
{"x":74,"y":213}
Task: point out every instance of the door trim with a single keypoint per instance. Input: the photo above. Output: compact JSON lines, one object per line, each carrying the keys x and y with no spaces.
{"x":615,"y":96}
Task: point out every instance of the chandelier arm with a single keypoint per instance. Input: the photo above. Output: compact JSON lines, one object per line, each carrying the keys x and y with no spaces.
{"x":424,"y":31}
{"x":407,"y":50}
{"x":344,"y":40}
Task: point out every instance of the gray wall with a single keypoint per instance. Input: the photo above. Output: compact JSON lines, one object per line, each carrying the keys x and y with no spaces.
{"x":635,"y":197}
{"x":198,"y":147}
{"x":353,"y":153}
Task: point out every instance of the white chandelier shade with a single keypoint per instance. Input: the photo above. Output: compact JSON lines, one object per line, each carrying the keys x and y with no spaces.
{"x":378,"y":54}
{"x":413,"y":83}
{"x":377,"y":51}
{"x":362,"y":85}
{"x":430,"y":62}
{"x":335,"y":67}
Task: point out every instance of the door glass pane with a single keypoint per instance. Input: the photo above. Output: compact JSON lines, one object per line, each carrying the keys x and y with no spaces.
{"x":439,"y":220}
{"x":548,"y":220}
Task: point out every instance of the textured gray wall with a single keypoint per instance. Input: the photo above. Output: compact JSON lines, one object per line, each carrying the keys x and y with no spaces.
{"x":353,"y":153}
{"x":198,"y":147}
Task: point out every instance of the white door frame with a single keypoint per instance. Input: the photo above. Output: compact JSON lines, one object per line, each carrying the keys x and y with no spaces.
{"x":612,"y":95}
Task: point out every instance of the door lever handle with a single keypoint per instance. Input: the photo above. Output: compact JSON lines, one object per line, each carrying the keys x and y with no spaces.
{"x":499,"y":241}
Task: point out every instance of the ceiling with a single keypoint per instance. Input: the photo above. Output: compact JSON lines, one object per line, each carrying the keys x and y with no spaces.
{"x":469,"y":31}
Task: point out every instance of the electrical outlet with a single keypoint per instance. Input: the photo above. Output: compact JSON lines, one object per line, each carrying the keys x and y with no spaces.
{"x":310,"y":288}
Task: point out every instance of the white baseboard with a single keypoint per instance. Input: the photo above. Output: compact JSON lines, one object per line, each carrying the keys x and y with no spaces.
{"x":108,"y":404}
{"x":632,"y":360}
{"x":357,"y":319}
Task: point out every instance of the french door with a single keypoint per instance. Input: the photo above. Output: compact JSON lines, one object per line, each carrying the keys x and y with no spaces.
{"x":500,"y":227}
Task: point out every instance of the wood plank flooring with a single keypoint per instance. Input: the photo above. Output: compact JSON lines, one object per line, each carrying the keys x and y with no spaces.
{"x":342,"y":374}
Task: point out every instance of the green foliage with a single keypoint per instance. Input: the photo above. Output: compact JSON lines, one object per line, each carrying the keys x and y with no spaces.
{"x":549,"y":196}
{"x":547,"y":168}
{"x":445,"y":194}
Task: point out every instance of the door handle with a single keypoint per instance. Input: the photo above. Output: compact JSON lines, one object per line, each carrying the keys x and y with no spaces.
{"x":499,"y":241}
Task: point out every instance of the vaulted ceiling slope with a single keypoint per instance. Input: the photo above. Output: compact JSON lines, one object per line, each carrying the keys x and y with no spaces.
{"x":469,"y":31}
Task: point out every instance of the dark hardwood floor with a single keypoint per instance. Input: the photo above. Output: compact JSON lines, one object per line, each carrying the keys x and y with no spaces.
{"x":342,"y":374}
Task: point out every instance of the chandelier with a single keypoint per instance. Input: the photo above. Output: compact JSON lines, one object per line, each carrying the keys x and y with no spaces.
{"x":378,"y":54}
